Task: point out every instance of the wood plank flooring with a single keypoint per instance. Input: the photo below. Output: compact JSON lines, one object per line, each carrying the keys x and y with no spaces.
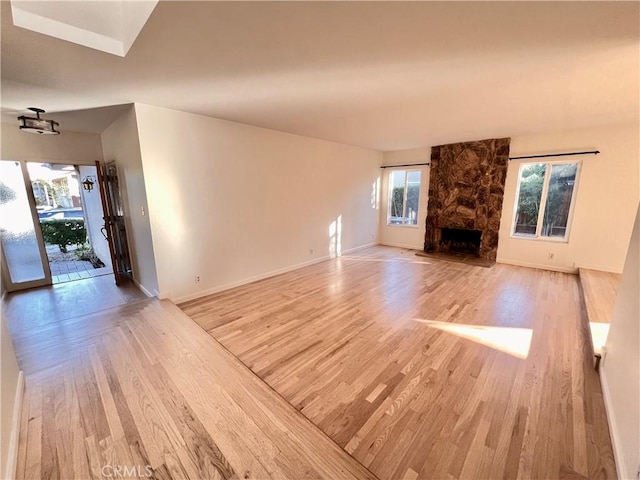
{"x":33,"y":309}
{"x":599,"y":292}
{"x":402,"y":361}
{"x":141,"y":391}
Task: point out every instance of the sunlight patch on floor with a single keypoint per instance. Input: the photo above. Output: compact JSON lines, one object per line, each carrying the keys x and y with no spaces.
{"x":514,"y":341}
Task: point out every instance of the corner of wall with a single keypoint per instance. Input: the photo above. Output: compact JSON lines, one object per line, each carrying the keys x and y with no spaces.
{"x":12,"y":449}
{"x":618,"y":454}
{"x":121,"y":142}
{"x":620,"y":368}
{"x":11,"y":403}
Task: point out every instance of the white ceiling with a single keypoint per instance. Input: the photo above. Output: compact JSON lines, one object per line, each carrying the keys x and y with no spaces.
{"x":111,"y":26}
{"x":385,"y":75}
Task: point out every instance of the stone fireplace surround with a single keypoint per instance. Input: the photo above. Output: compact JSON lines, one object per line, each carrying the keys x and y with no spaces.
{"x":466,"y":188}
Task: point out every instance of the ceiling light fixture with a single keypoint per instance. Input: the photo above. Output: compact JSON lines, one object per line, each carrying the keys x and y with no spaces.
{"x":37,"y":124}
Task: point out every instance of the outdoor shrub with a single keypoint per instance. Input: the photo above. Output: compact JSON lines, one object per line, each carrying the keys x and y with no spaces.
{"x":64,"y":232}
{"x":85,"y":252}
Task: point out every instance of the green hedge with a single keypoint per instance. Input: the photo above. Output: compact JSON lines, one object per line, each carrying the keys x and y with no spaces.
{"x":64,"y":232}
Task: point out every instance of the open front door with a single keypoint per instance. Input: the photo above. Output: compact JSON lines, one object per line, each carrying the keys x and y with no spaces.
{"x":114,"y":224}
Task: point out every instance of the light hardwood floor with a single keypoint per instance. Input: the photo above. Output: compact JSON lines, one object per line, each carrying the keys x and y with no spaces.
{"x":33,"y":309}
{"x":141,"y":390}
{"x":400,"y":360}
{"x":600,"y":290}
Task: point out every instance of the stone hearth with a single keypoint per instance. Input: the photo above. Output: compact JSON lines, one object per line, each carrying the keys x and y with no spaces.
{"x":466,"y":188}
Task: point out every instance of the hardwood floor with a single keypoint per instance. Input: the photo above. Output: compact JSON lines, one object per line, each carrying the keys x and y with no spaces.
{"x":404,"y":362}
{"x":141,"y":391}
{"x":33,"y":309}
{"x":600,"y":290}
{"x":417,"y":368}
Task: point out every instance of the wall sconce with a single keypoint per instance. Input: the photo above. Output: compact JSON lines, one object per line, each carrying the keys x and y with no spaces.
{"x":88,"y":182}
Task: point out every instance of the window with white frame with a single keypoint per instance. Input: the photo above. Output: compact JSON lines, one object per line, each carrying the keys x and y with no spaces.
{"x":404,"y":197}
{"x":544,"y":200}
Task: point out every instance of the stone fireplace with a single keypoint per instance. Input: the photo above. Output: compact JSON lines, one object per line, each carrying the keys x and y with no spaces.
{"x":466,"y":187}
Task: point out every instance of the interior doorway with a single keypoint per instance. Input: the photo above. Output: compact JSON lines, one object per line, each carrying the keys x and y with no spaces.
{"x":52,"y":224}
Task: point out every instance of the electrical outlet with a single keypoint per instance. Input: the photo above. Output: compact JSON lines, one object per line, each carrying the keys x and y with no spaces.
{"x":311,"y":251}
{"x":550,"y":256}
{"x":142,"y":210}
{"x":197,"y":278}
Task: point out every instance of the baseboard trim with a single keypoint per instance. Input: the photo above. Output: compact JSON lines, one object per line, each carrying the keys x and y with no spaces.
{"x":256,"y":278}
{"x":618,"y":456}
{"x":551,"y":268}
{"x":599,"y":268}
{"x":361,"y":247}
{"x":12,"y":454}
{"x":402,"y":245}
{"x":142,"y":289}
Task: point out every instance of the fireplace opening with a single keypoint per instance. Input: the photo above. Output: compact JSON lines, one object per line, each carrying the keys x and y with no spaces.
{"x":460,"y":241}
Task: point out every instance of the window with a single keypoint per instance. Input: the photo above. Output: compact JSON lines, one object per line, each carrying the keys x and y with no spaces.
{"x":545,"y":198}
{"x":404,"y":197}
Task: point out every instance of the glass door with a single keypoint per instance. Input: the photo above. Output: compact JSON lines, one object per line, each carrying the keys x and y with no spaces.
{"x":24,"y":258}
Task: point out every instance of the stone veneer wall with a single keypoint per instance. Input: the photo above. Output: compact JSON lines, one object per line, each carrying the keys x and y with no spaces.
{"x":466,"y":188}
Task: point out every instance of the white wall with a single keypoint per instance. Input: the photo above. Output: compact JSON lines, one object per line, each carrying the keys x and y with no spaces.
{"x":11,"y":385}
{"x":620,"y":370}
{"x":231,"y":202}
{"x":402,"y":235}
{"x":94,"y":216}
{"x":607,"y":196}
{"x":120,"y":143}
{"x":69,"y":147}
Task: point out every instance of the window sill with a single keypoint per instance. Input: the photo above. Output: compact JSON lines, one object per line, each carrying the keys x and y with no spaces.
{"x":541,"y":239}
{"x":400,"y":225}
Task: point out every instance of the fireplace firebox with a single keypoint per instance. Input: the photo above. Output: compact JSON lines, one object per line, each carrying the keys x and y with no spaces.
{"x":459,"y":240}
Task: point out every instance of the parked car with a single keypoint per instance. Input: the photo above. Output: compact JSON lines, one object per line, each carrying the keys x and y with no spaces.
{"x":60,"y":213}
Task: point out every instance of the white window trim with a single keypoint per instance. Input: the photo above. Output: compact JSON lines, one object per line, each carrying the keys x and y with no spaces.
{"x":404,"y":200}
{"x":543,"y":203}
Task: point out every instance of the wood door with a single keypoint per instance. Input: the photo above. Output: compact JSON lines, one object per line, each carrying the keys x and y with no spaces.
{"x":114,"y":223}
